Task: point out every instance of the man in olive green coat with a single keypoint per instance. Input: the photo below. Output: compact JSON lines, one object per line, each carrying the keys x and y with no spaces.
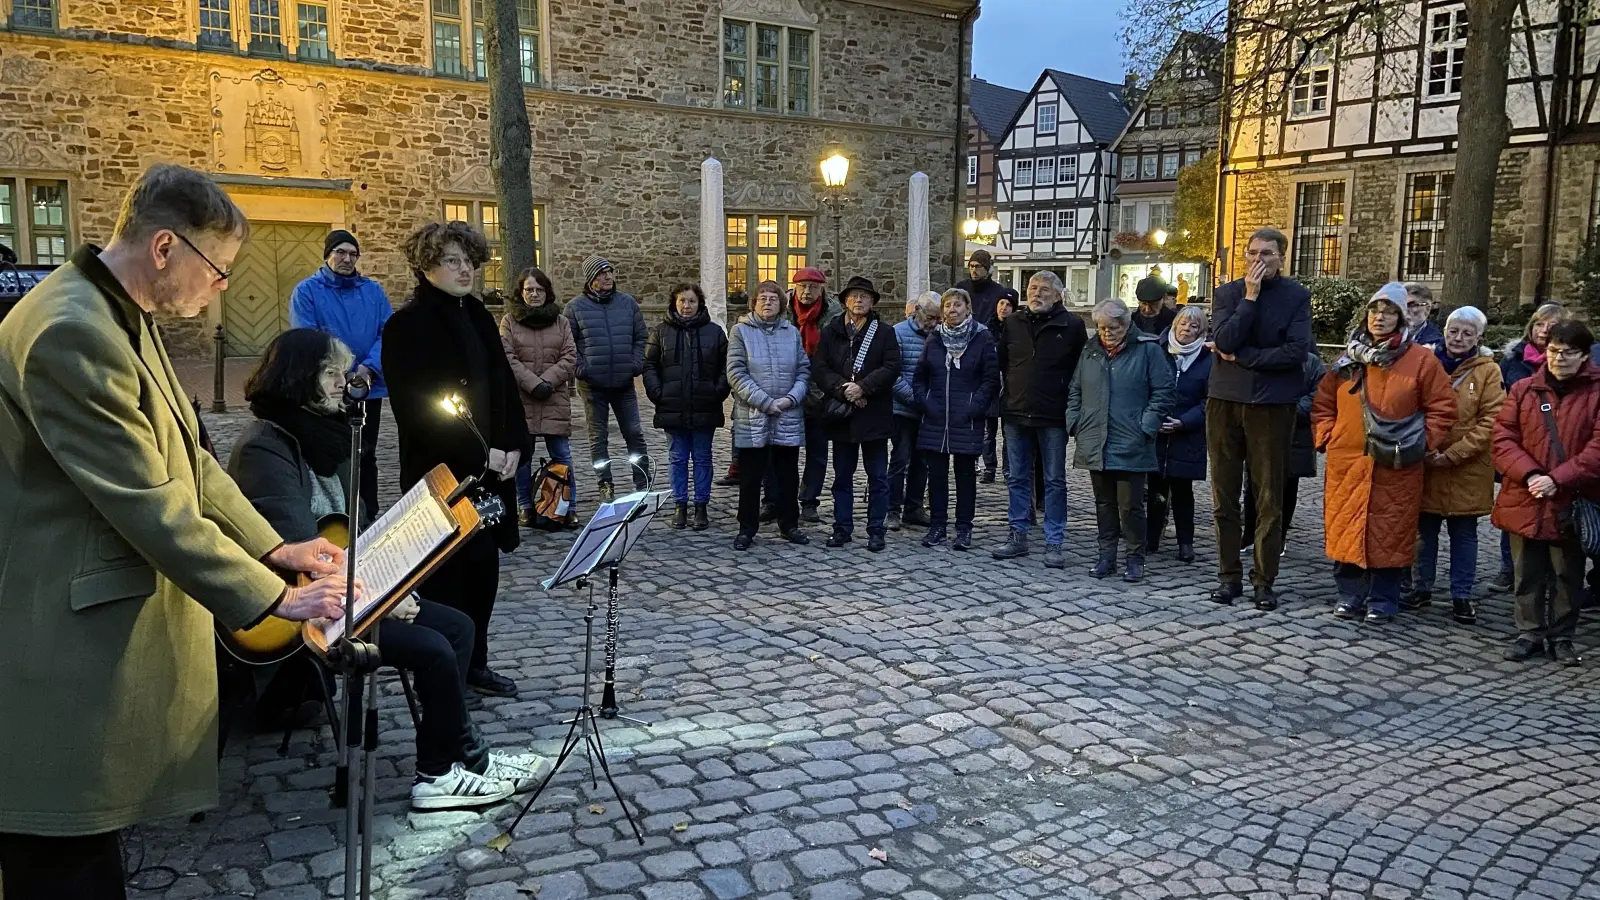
{"x":120,"y":539}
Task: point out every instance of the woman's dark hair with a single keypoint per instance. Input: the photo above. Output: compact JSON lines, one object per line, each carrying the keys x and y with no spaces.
{"x":540,"y":278}
{"x":291,"y":366}
{"x":424,"y":249}
{"x":680,"y":287}
{"x":1572,"y":334}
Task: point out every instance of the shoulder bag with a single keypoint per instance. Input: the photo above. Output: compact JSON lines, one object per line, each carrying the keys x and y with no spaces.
{"x":830,"y":408}
{"x":1393,"y":443}
{"x":1582,"y":515}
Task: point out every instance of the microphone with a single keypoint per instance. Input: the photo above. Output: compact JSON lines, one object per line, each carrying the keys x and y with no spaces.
{"x":356,"y":391}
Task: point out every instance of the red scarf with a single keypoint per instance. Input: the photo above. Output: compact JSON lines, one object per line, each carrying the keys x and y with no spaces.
{"x":809,"y":318}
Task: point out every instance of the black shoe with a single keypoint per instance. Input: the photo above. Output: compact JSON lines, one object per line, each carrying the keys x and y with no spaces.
{"x":1135,"y":570}
{"x":892,"y":521}
{"x":769,"y":514}
{"x":702,"y":520}
{"x":1016,"y":545}
{"x":1151,"y":545}
{"x":837,"y":539}
{"x":796,"y":536}
{"x":1104,"y":566}
{"x":1561,"y":651}
{"x":963,"y":539}
{"x":607,"y":492}
{"x":731,"y":479}
{"x":1186,"y":553}
{"x":1227,"y":593}
{"x":680,"y":518}
{"x":1524,"y":649}
{"x":1349,"y":609}
{"x":473,"y":700}
{"x":1416,"y":600}
{"x":1266,"y":599}
{"x":1053,"y":558}
{"x":936,"y":535}
{"x":1375,"y":617}
{"x":875,"y":543}
{"x":1504,"y":580}
{"x":743,"y":541}
{"x":917,"y":517}
{"x":987,"y":477}
{"x":808,"y":513}
{"x":490,"y":683}
{"x":1463,"y":611}
{"x":524,"y":518}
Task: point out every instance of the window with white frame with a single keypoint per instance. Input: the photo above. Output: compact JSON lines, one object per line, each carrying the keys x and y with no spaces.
{"x":35,"y":219}
{"x":1147,"y":166}
{"x":1160,"y":214}
{"x":1044,"y":225}
{"x":1422,"y":227}
{"x":1066,"y":224}
{"x":767,"y":68}
{"x":1192,"y":156}
{"x":297,"y":29}
{"x":527,"y":40}
{"x":454,"y":21}
{"x":1044,"y":171}
{"x":1067,"y":171}
{"x":1130,"y":167}
{"x":1023,"y":176}
{"x":484,"y":215}
{"x":1169,"y":164}
{"x":1022,"y":226}
{"x":1045,"y":117}
{"x":1308,"y":93}
{"x":1447,"y":53}
{"x":972,"y":168}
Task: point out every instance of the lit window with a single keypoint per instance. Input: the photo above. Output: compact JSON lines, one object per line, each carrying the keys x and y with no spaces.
{"x":1422,"y":228}
{"x":1318,"y":247}
{"x":782,"y":247}
{"x":484,"y":215}
{"x":1447,"y":53}
{"x":767,"y":68}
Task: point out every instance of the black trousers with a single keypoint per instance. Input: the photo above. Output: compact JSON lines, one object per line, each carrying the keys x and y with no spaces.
{"x":469,"y":582}
{"x":1176,"y":494}
{"x":754,"y":464}
{"x":939,"y":488}
{"x":62,"y":868}
{"x":435,"y":648}
{"x":369,"y":456}
{"x":1119,"y":511}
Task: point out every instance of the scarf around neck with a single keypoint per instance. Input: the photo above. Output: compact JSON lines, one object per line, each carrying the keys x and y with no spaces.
{"x":324,"y":439}
{"x":537,"y":317}
{"x":1451,"y":363}
{"x":1185,"y":354}
{"x":957,"y":339}
{"x":1532,"y":355}
{"x":1365,"y":350}
{"x":809,"y":320}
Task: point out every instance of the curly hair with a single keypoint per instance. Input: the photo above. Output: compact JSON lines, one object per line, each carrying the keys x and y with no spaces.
{"x":424,"y":249}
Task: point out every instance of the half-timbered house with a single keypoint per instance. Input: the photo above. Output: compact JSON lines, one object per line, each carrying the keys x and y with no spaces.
{"x":1353,"y":157}
{"x":990,"y":109}
{"x":1054,"y":182}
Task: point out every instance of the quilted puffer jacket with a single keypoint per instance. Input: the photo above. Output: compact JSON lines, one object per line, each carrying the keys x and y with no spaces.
{"x":1522,"y":449}
{"x":611,"y":334}
{"x":1464,"y":484}
{"x":765,"y":363}
{"x":911,"y":343}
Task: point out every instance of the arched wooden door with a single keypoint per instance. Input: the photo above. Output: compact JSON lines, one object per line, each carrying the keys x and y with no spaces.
{"x":278,"y":256}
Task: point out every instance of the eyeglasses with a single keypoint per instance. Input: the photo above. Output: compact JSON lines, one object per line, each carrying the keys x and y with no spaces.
{"x":221,"y":275}
{"x":350,"y":254}
{"x":1565,"y":354}
{"x":456,"y":263}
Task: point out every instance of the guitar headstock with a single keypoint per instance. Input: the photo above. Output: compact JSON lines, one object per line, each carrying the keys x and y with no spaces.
{"x":491,"y":509}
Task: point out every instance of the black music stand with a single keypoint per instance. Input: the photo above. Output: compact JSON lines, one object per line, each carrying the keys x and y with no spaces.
{"x":613,"y":530}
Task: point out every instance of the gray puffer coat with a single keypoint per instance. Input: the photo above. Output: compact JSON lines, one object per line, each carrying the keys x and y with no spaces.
{"x":611,"y":334}
{"x":766,"y":362}
{"x":1116,"y":404}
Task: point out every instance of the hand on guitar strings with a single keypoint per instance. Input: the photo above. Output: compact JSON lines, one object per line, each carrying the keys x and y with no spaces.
{"x":321,"y":599}
{"x":317,"y":557}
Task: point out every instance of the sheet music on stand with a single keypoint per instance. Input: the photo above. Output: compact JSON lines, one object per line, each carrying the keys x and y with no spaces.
{"x":610,"y":534}
{"x":393,"y":547}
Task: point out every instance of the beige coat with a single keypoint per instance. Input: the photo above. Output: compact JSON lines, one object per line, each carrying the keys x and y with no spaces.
{"x":1464,"y":484}
{"x":543,"y":355}
{"x":111,"y":519}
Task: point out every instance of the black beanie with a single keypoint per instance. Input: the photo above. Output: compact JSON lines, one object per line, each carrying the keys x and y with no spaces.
{"x":335,"y":238}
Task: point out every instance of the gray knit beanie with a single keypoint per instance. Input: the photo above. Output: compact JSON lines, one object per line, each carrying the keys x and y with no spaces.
{"x":593,"y":266}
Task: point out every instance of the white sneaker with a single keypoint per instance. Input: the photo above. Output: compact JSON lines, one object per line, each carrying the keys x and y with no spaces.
{"x":523,"y":771}
{"x":458,"y":788}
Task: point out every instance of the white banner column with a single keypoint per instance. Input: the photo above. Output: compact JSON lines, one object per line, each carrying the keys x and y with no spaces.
{"x":713,"y":242}
{"x":917,"y":237}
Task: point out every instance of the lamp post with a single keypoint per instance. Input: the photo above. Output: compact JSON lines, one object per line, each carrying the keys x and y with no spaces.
{"x":835,"y":171}
{"x":982,"y":231}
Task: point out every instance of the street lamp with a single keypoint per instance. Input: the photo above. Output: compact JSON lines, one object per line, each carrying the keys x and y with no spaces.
{"x":989,"y":228}
{"x":835,"y":171}
{"x":1160,"y":237}
{"x":969,"y":228}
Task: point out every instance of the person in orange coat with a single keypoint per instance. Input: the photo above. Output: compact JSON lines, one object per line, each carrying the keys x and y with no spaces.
{"x":1541,"y":475}
{"x":1370,"y":511}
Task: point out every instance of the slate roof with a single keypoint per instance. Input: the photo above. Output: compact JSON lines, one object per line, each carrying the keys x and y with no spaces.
{"x":1098,"y":104}
{"x":994,"y":107}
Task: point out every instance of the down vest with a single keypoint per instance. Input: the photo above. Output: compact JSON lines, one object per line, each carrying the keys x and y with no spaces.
{"x":1464,"y":484}
{"x":686,"y":372}
{"x":1522,"y":449}
{"x":610,"y":332}
{"x":1370,"y":511}
{"x":1116,"y":404}
{"x":765,"y":363}
{"x":911,"y":343}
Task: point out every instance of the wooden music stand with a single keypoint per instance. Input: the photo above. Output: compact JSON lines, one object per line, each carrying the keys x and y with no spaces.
{"x":440,"y":484}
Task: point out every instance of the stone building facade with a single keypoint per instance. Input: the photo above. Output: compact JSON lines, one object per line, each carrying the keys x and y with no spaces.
{"x":372,"y":117}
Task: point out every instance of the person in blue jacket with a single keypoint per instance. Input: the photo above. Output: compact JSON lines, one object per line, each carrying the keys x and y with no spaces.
{"x":1181,"y":445}
{"x":353,"y":308}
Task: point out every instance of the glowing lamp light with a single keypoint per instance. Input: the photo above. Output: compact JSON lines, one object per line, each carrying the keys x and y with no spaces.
{"x":453,"y":406}
{"x":989,"y":227}
{"x":835,"y":169}
{"x":969,"y":227}
{"x":1160,"y":237}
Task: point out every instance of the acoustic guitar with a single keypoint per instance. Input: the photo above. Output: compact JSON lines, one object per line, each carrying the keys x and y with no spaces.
{"x":273,"y":640}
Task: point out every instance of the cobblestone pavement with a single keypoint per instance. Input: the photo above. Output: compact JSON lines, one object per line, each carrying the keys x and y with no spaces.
{"x":930,"y":724}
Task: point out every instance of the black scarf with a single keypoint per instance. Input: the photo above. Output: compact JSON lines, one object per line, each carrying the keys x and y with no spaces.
{"x":536,"y":317}
{"x":324,"y":438}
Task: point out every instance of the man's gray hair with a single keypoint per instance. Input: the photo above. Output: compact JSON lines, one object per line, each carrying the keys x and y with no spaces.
{"x":1471,"y":315}
{"x":1051,"y":279}
{"x":1115,"y":310}
{"x":173,"y":198}
{"x":1268,"y":233}
{"x":1420,"y":291}
{"x":927,"y":302}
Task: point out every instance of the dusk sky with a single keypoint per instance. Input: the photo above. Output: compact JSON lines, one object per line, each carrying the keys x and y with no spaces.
{"x":1015,"y":40}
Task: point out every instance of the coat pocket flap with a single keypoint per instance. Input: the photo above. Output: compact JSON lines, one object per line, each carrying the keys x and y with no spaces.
{"x":109,"y":585}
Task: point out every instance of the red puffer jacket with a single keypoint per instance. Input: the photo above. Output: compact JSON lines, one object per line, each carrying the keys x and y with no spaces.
{"x":1522,"y":449}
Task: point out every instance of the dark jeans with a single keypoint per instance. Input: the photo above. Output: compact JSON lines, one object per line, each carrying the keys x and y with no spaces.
{"x":435,"y":647}
{"x":1258,"y":435}
{"x":908,"y":471}
{"x":1463,"y":553}
{"x":816,"y":474}
{"x":1025,"y":446}
{"x":1507,"y":561}
{"x":991,"y":434}
{"x":756,"y":465}
{"x":1178,"y":495}
{"x":1291,"y":496}
{"x":684,"y":446}
{"x":62,"y":868}
{"x":560,"y":450}
{"x":1377,"y":589}
{"x":369,"y":456}
{"x":1119,"y":511}
{"x":469,"y":582}
{"x":1548,"y":586}
{"x":875,"y":455}
{"x":938,"y":465}
{"x":598,"y":405}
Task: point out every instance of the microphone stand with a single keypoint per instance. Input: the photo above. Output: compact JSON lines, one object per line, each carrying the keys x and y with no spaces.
{"x":608,"y":698}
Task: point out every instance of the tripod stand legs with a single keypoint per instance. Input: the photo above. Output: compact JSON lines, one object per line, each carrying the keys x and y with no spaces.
{"x":589,"y":736}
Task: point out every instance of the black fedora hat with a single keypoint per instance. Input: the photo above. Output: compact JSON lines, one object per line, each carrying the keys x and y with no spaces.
{"x":860,"y":283}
